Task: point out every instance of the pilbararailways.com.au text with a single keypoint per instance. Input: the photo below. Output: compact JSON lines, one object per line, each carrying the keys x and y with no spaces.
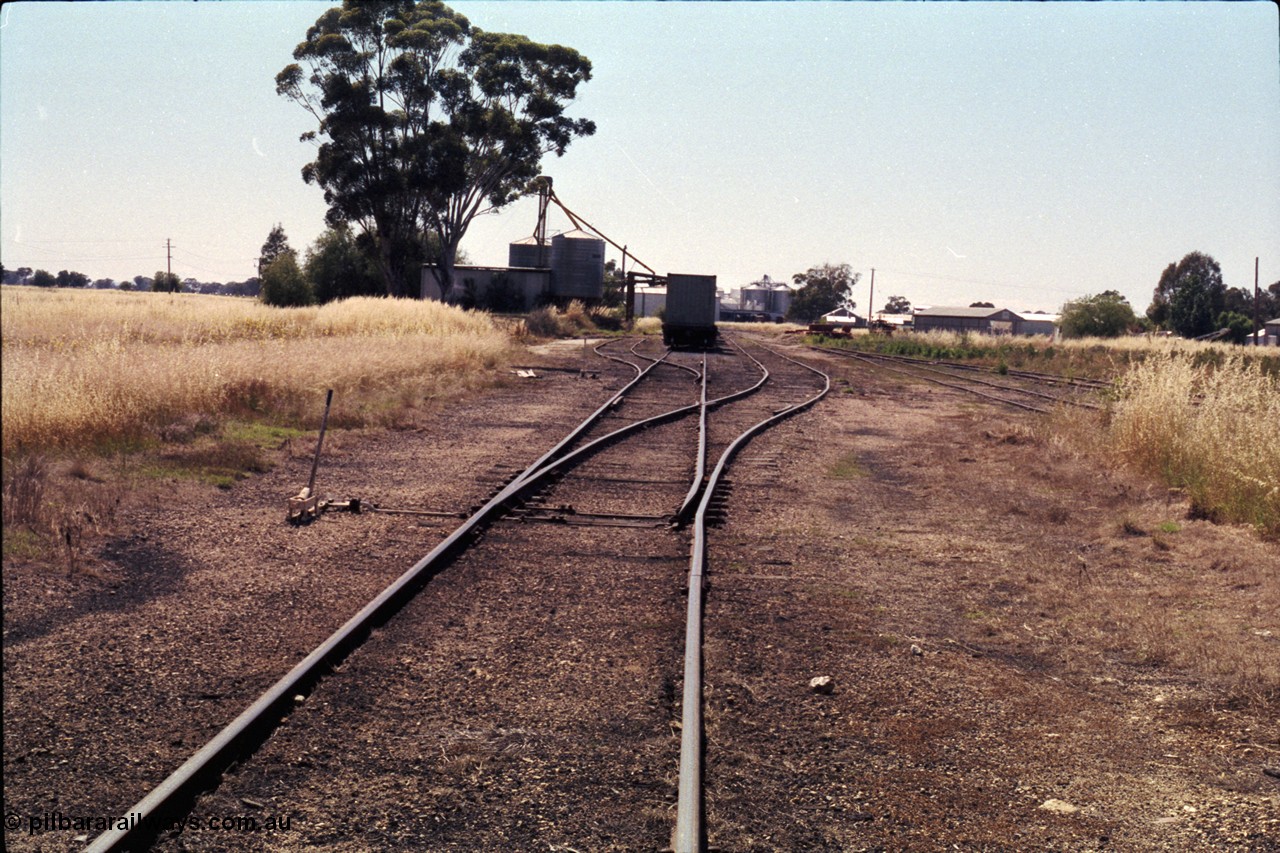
{"x":57,"y":821}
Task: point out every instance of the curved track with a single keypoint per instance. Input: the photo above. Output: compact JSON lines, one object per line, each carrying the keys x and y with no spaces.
{"x":594,"y":514}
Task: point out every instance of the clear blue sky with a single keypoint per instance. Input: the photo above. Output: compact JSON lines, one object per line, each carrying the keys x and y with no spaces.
{"x":1020,"y":153}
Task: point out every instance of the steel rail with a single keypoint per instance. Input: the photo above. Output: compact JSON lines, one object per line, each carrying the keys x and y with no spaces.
{"x":1014,"y":403}
{"x":151,"y":815}
{"x":933,"y":367}
{"x":1054,"y":378}
{"x":594,"y":416}
{"x":689,"y":835}
{"x":700,"y":467}
{"x":695,"y":489}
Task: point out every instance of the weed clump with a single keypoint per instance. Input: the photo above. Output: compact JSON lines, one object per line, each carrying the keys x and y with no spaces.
{"x":1210,"y":427}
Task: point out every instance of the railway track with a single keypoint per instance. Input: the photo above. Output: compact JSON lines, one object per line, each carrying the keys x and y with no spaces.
{"x":601,"y":513}
{"x":1013,"y":388}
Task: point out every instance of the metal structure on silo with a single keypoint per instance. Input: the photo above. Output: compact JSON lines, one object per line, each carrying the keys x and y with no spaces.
{"x":529,"y":252}
{"x":577,"y":265}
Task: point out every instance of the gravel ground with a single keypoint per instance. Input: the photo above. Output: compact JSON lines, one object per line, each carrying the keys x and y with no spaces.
{"x":906,"y":541}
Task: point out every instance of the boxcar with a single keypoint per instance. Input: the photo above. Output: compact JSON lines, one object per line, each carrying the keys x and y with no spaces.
{"x":689,"y":319}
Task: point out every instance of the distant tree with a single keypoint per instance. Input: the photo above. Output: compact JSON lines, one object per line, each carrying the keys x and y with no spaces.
{"x":276,"y":245}
{"x":427,"y":122}
{"x":822,"y":290}
{"x":1238,"y":326}
{"x":127,"y":284}
{"x":337,"y":268}
{"x":283,"y":284}
{"x":43,"y":278}
{"x":166,"y":282}
{"x":1106,"y":315}
{"x":615,"y":285}
{"x":103,"y":284}
{"x":70,"y":278}
{"x":1238,"y":300}
{"x":141,"y":282}
{"x":1189,"y":296}
{"x":981,"y":305}
{"x":897,"y":305}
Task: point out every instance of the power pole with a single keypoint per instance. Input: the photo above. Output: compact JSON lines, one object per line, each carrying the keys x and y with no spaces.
{"x":168,"y":266}
{"x":1257,"y":307}
{"x":871,"y":304}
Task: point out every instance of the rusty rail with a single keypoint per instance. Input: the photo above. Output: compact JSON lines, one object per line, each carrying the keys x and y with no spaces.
{"x":690,"y":832}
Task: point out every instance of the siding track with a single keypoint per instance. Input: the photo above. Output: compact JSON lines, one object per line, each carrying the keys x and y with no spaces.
{"x":554,"y":610}
{"x":1011,"y":389}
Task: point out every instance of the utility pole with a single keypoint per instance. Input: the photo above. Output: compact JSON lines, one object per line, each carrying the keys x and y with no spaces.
{"x":871,"y":304}
{"x":168,"y":266}
{"x":1257,"y":307}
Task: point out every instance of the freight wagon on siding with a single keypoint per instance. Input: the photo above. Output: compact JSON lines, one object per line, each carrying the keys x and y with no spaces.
{"x":689,"y":318}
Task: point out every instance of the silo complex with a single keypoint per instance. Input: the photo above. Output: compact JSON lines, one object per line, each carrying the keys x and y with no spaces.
{"x":577,"y":265}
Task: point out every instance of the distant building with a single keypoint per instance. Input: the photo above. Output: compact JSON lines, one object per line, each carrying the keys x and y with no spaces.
{"x":1036,"y":323}
{"x":844,"y":317}
{"x":984,"y":321}
{"x":1272,"y":329}
{"x":897,"y":321}
{"x":513,"y":288}
{"x":649,"y":301}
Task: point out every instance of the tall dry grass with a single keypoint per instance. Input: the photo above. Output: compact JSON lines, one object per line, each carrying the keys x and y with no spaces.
{"x":93,"y":368}
{"x":1211,"y":430}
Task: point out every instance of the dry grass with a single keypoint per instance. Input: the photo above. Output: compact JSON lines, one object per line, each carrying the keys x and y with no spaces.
{"x":1211,"y":430}
{"x":1091,"y":357}
{"x":96,"y":369}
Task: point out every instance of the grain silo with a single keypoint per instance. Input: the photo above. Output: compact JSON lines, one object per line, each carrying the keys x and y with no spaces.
{"x":529,"y":252}
{"x":577,"y":265}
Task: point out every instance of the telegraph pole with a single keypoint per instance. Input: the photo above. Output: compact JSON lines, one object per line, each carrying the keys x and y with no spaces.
{"x":871,"y":304}
{"x":1257,"y":320}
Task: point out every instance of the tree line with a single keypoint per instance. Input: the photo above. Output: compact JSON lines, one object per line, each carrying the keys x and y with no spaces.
{"x":159,"y":281}
{"x":1190,"y":300}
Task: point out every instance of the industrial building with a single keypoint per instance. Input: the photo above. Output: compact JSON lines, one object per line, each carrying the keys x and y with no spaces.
{"x":1272,"y":329}
{"x":568,"y":266}
{"x":987,"y":321}
{"x":649,"y":301}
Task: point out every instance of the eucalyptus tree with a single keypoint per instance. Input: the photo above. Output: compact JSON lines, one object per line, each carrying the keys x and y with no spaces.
{"x":1189,"y":296}
{"x":425,"y":122}
{"x":823,"y":289}
{"x":1104,"y":315}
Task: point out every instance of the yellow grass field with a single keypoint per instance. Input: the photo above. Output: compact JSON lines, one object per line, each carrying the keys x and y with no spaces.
{"x":87,"y":369}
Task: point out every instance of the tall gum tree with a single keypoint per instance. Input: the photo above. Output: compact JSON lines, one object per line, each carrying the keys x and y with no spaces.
{"x":426,"y":122}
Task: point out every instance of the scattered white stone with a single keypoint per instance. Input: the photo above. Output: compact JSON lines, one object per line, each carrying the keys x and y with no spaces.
{"x":80,"y":839}
{"x":1059,"y":806}
{"x":916,"y":650}
{"x":298,"y":699}
{"x":822,"y":684}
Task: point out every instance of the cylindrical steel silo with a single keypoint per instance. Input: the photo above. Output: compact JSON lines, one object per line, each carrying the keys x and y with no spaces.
{"x":528,"y":253}
{"x":577,"y":265}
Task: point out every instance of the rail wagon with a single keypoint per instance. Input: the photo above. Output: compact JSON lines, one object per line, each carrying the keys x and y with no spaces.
{"x":689,"y":319}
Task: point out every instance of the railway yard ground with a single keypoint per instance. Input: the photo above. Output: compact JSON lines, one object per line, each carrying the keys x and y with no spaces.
{"x":1025,"y":651}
